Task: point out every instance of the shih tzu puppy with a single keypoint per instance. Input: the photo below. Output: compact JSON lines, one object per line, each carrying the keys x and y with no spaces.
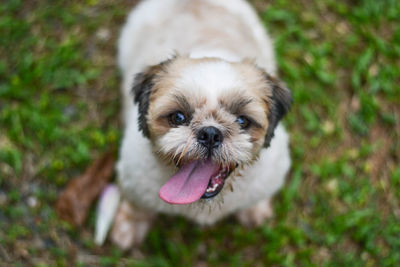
{"x":202,"y":136}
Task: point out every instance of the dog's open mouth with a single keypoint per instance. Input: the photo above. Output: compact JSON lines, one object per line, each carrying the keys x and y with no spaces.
{"x":195,"y":180}
{"x":217,"y":182}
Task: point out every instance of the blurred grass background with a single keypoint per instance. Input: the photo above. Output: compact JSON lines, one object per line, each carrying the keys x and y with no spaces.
{"x":59,"y":108}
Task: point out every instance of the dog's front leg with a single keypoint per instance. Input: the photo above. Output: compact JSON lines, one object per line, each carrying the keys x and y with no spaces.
{"x":130,"y":226}
{"x":255,"y":215}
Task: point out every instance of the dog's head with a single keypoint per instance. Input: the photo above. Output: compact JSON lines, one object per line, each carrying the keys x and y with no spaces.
{"x":207,"y":116}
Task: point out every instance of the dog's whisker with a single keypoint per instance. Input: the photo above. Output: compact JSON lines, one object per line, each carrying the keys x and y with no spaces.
{"x":231,"y":187}
{"x":186,"y":147}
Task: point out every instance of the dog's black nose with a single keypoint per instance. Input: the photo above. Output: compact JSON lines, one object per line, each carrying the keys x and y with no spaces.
{"x":210,"y":137}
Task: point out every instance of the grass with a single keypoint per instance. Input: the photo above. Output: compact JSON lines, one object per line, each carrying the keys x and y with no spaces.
{"x":59,"y":108}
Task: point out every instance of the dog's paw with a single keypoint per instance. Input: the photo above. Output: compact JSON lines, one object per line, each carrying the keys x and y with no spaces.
{"x":256,"y":215}
{"x":130,"y":226}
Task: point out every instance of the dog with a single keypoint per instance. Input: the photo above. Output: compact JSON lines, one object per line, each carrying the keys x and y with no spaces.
{"x":201,"y":108}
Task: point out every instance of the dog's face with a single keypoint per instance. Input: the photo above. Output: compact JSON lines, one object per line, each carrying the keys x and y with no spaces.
{"x":207,"y":117}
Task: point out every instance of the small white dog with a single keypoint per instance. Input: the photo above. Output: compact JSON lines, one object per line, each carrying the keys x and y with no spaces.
{"x":202,"y":136}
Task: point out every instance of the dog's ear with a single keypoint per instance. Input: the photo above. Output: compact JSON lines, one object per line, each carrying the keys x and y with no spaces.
{"x":142,"y":89}
{"x":280,"y":102}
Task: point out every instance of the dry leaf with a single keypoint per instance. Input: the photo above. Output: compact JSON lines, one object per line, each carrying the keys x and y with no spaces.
{"x":74,"y":202}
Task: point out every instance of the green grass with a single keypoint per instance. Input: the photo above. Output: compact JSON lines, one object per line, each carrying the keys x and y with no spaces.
{"x":59,"y":108}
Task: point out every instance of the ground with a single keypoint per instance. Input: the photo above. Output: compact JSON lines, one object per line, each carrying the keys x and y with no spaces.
{"x":59,"y":109}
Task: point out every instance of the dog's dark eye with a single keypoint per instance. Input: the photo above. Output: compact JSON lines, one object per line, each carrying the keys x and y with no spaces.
{"x":177,"y":118}
{"x":243,"y":122}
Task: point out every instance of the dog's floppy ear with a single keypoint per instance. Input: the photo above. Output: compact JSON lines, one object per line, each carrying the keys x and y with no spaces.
{"x":142,"y":88}
{"x":280,"y":102}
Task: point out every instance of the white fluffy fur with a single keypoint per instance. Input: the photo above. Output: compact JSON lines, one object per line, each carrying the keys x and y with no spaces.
{"x":154,"y":31}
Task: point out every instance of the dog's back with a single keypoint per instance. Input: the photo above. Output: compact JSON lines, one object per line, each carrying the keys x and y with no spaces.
{"x":158,"y":29}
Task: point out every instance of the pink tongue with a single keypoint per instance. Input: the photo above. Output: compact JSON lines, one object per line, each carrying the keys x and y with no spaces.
{"x":189,"y":183}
